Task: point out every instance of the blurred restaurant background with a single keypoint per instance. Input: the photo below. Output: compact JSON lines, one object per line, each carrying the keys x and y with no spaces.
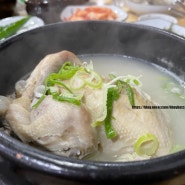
{"x":50,"y":10}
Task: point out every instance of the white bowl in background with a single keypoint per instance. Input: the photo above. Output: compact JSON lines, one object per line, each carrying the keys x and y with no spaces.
{"x":143,"y":8}
{"x":158,"y":16}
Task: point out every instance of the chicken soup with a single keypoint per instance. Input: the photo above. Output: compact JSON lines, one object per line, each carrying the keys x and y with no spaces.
{"x":98,"y":107}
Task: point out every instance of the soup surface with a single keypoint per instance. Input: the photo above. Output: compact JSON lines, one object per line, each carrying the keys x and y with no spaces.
{"x":164,"y":87}
{"x":99,"y":107}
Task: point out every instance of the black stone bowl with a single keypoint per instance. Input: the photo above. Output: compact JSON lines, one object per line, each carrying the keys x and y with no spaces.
{"x":20,"y":54}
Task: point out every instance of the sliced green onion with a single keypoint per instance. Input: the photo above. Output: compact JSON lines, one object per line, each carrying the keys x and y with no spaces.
{"x":84,"y":77}
{"x":130,"y":93}
{"x":133,"y":80}
{"x":110,"y":133}
{"x":70,"y":77}
{"x":57,"y":82}
{"x":39,"y":101}
{"x":95,"y":80}
{"x":55,"y":79}
{"x":147,"y":144}
{"x":123,"y":84}
{"x":67,"y":71}
{"x":76,"y":83}
{"x":67,"y":98}
{"x":78,"y":80}
{"x":136,"y":82}
{"x":112,"y":95}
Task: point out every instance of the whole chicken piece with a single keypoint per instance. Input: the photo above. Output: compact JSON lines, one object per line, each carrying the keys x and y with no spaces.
{"x":74,"y":130}
{"x":60,"y":127}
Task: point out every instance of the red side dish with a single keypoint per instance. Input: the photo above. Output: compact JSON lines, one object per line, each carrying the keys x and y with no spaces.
{"x":92,"y":13}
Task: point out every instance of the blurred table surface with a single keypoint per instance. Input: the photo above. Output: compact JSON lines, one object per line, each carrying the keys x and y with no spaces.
{"x":132,"y":17}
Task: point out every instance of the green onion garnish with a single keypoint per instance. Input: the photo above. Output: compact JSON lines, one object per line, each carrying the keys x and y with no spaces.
{"x":64,"y":86}
{"x":39,"y":101}
{"x":111,"y":96}
{"x":147,"y":144}
{"x":125,"y":85}
{"x":74,"y":74}
{"x":67,"y":71}
{"x":129,"y":92}
{"x":67,"y":98}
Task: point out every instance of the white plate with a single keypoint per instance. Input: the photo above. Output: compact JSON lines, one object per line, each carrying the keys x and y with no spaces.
{"x":32,"y":23}
{"x":165,"y":25}
{"x":158,"y":16}
{"x":69,"y":10}
{"x":143,"y":8}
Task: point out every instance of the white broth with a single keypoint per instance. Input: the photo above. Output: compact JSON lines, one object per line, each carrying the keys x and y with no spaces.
{"x":89,"y":114}
{"x":164,"y":87}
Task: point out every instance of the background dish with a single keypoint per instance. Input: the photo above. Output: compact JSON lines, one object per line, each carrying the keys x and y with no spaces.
{"x":69,"y":10}
{"x":142,"y":8}
{"x":158,"y":16}
{"x":32,"y":23}
{"x":165,"y":25}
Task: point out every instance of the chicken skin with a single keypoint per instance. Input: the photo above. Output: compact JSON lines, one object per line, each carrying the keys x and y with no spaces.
{"x":62,"y":128}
